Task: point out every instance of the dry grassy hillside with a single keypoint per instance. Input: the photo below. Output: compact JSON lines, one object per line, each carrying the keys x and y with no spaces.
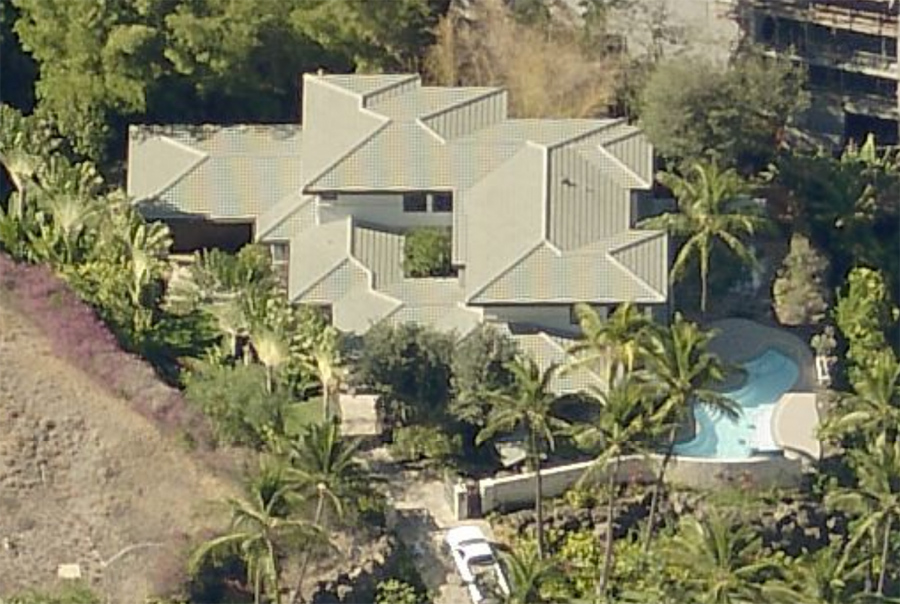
{"x":83,"y":476}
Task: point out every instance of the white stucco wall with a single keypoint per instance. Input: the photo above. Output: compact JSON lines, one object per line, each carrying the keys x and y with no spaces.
{"x":380,"y":209}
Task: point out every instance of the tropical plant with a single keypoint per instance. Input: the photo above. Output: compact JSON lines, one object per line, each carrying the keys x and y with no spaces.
{"x":816,"y":578}
{"x":324,"y":467}
{"x":724,"y":560}
{"x":272,"y":351}
{"x":479,"y":366}
{"x":874,"y":408}
{"x":323,"y":358}
{"x":613,"y":343}
{"x":528,"y":405}
{"x":263,"y":524}
{"x":713,"y":207}
{"x":679,"y":363}
{"x":863,"y":314}
{"x":395,"y":591}
{"x":617,"y":429}
{"x":875,"y":501}
{"x":527,"y":572}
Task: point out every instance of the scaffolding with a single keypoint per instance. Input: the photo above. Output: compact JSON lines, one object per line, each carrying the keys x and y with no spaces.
{"x":872,"y":17}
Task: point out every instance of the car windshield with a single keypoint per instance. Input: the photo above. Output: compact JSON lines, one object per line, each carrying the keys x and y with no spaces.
{"x":484,"y":560}
{"x":470,"y":542}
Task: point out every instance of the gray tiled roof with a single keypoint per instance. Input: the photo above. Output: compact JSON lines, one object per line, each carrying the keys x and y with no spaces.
{"x":220,"y":172}
{"x":542,"y":209}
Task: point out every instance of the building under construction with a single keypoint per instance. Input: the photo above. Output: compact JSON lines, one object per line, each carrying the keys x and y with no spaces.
{"x":851,"y":50}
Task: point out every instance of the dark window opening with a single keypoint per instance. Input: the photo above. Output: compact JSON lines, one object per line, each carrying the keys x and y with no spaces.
{"x":767,"y":30}
{"x":857,"y":127}
{"x":442,"y":202}
{"x":327,"y":312}
{"x":328,"y":196}
{"x":415,"y":202}
{"x":192,"y":235}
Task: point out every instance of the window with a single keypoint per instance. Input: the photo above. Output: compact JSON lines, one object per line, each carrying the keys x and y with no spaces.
{"x":326,"y":311}
{"x":414,"y":202}
{"x":442,"y":202}
{"x":281,"y":256}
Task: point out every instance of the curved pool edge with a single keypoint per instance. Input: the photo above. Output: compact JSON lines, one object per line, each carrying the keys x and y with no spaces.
{"x":794,"y":423}
{"x":795,"y":414}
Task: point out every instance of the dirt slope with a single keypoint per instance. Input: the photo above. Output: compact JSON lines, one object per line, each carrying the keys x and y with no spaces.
{"x":82,"y":477}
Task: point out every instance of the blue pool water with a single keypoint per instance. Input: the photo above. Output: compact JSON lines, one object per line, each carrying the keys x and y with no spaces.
{"x":768,"y":376}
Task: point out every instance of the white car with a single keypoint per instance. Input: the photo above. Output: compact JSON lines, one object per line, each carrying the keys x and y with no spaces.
{"x":475,"y":560}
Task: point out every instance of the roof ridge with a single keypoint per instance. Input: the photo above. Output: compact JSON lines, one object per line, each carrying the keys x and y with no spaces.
{"x":488,"y":92}
{"x":373,"y":94}
{"x":623,"y":165}
{"x":518,"y":260}
{"x":637,"y":279}
{"x":602,"y":125}
{"x":386,"y":121}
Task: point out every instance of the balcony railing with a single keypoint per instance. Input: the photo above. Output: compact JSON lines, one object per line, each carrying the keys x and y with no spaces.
{"x":847,"y":59}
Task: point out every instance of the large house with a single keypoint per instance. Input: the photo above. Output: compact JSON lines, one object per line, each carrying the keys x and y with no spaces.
{"x":541,"y":213}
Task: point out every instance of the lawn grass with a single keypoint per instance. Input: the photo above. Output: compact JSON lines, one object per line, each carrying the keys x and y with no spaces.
{"x":302,"y":414}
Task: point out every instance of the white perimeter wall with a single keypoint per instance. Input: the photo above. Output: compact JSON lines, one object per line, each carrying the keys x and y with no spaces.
{"x":512,"y":492}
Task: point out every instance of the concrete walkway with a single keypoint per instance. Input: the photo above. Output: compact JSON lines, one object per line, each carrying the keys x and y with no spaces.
{"x":423,"y":516}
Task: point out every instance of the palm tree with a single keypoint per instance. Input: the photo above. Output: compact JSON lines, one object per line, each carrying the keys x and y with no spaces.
{"x":712,"y":206}
{"x":875,"y":406}
{"x":262,"y":524}
{"x":817,"y":578}
{"x":528,"y":405}
{"x":323,"y":357}
{"x":614,"y":342}
{"x":21,"y":167}
{"x":875,"y":499}
{"x":526,"y":572}
{"x":724,"y":561}
{"x":324,"y":465}
{"x":678,"y":362}
{"x":618,"y":428}
{"x":272,"y":351}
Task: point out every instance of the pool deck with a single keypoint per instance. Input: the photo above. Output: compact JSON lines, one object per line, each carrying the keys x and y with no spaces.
{"x":796,"y":414}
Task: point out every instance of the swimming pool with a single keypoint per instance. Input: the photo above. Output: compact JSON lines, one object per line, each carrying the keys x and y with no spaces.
{"x":768,"y":377}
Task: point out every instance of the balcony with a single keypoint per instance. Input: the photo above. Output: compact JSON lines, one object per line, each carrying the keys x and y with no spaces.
{"x":843,"y":58}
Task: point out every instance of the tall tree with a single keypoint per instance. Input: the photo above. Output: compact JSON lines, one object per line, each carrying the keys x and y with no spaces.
{"x":263,"y":523}
{"x":618,"y":429}
{"x":713,"y":207}
{"x":693,"y":110}
{"x":528,"y":406}
{"x":679,"y":363}
{"x":526,"y":573}
{"x":864,"y":313}
{"x":724,"y":561}
{"x":324,"y":467}
{"x":613,"y":343}
{"x":800,"y":290}
{"x":875,"y":501}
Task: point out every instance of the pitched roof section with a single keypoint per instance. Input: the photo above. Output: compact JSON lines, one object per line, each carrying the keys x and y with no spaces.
{"x":547,"y":275}
{"x":220,"y":172}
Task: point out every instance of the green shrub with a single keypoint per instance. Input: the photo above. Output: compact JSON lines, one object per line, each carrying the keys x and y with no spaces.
{"x":394,"y":591}
{"x":414,"y":443}
{"x":427,"y":252}
{"x":77,"y":594}
{"x":236,"y":401}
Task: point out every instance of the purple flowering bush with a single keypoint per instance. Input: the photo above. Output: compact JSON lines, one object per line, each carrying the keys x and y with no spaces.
{"x":81,"y":338}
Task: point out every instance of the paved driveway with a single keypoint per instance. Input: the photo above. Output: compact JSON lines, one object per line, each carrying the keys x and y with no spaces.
{"x":423,"y":517}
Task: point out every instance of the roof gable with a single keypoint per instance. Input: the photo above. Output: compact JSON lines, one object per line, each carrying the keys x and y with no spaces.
{"x":164,"y":162}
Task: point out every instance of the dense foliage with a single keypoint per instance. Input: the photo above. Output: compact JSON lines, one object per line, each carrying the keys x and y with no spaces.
{"x":426,"y":253}
{"x":800,"y":292}
{"x":736,"y":115}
